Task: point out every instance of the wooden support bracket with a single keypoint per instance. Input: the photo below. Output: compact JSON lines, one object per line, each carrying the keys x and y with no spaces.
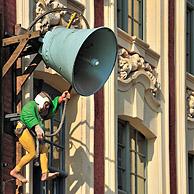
{"x":22,"y":40}
{"x":19,"y":38}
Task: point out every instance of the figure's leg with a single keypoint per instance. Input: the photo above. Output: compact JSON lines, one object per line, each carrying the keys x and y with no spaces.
{"x":43,"y":158}
{"x":46,"y":175}
{"x":27,"y":142}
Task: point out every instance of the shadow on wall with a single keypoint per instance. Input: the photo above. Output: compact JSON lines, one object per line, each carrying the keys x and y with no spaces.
{"x":151,"y":149}
{"x":78,"y":164}
{"x":79,"y":156}
{"x":81,"y":169}
{"x":108,"y":190}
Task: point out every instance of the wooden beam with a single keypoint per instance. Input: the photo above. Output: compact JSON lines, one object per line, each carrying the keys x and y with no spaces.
{"x":22,"y":40}
{"x":14,"y":56}
{"x":19,"y":38}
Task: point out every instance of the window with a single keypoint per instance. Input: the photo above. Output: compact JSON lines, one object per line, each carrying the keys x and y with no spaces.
{"x":191,"y":173}
{"x":132,"y":160}
{"x":56,"y":145}
{"x":130,"y":16}
{"x":190,"y":36}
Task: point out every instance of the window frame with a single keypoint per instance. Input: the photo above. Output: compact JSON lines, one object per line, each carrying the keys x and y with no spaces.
{"x":189,"y":36}
{"x":59,"y":184}
{"x":123,"y":17}
{"x":191,"y":173}
{"x":127,"y":128}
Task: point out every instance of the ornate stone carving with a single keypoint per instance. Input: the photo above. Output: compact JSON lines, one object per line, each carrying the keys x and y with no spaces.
{"x":130,"y":65}
{"x":55,"y":18}
{"x":190,"y":103}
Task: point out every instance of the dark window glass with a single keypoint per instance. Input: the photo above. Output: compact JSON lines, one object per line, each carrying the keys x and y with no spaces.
{"x":189,"y":37}
{"x":132,"y":160}
{"x":130,"y":16}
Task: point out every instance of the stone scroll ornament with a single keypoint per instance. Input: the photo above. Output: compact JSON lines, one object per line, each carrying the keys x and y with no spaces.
{"x":190,"y":103}
{"x":55,"y":18}
{"x":130,"y":65}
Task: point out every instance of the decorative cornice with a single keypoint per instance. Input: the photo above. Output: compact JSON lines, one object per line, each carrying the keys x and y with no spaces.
{"x":136,"y":45}
{"x":132,"y":68}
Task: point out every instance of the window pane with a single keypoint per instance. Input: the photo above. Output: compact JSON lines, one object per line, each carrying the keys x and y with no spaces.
{"x":140,"y":166}
{"x":49,"y":187}
{"x":129,"y":16}
{"x":57,"y":154}
{"x":136,"y":29}
{"x":190,"y":173}
{"x":188,"y":39}
{"x":57,"y":116}
{"x":120,"y":134}
{"x":141,"y":146}
{"x":132,"y":184}
{"x":119,"y":156}
{"x":57,"y":138}
{"x":132,"y":139}
{"x":120,"y":179}
{"x":130,"y":26}
{"x":119,"y":13}
{"x":140,"y":186}
{"x":133,"y":162}
{"x":136,"y":10}
{"x":130,"y":8}
{"x":47,"y":126}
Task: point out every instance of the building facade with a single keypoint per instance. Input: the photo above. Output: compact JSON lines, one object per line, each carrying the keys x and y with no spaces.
{"x":135,"y":135}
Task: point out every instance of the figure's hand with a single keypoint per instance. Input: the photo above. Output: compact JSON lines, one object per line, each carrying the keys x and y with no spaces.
{"x":64,"y":97}
{"x":39,"y":132}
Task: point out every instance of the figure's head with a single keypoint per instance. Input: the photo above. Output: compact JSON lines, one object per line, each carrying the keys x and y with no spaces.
{"x":43,"y":100}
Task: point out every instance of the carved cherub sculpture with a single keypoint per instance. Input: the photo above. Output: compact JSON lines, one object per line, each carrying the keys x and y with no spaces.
{"x":124,"y":63}
{"x":191,"y":105}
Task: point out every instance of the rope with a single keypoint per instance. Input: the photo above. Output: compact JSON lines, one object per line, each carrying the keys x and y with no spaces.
{"x":62,"y":118}
{"x":61,"y":123}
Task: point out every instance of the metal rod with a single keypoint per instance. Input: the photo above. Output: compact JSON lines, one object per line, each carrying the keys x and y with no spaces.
{"x":57,"y":10}
{"x":73,"y":15}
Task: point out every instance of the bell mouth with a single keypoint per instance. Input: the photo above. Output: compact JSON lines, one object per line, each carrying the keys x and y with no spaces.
{"x":95,"y":61}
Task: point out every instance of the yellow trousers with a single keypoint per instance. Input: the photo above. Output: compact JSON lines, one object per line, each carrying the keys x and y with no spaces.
{"x":28,"y":143}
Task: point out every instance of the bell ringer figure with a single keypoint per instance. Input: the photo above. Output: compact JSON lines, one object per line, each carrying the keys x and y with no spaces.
{"x":31,"y":127}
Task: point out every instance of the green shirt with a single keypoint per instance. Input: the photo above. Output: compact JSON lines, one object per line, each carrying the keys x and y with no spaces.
{"x":30,"y":115}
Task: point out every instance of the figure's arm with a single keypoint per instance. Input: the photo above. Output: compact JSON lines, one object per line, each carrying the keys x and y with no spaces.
{"x":58,"y":100}
{"x":39,"y":132}
{"x":64,"y":97}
